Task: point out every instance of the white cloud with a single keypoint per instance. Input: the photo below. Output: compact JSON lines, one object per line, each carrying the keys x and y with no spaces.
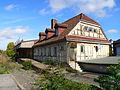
{"x":10,"y":33}
{"x":97,"y":7}
{"x":112,"y":31}
{"x":10,"y":7}
{"x":43,"y":11}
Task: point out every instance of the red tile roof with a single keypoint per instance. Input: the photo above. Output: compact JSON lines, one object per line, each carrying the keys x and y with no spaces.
{"x":70,"y":24}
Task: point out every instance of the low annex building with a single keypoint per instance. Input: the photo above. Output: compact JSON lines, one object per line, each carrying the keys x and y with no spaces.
{"x":116,"y":47}
{"x":77,"y":39}
{"x":24,"y":49}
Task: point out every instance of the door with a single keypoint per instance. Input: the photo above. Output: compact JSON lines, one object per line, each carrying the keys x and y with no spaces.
{"x":72,"y":54}
{"x":94,"y":52}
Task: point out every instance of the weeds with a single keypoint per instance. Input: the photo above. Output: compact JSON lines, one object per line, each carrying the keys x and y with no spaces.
{"x":27,"y":65}
{"x":8,"y":67}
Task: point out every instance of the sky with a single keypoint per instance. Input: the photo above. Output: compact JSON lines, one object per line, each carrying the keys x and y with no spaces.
{"x":24,"y":19}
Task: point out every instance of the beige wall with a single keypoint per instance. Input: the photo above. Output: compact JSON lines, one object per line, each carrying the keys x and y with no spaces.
{"x":46,"y":52}
{"x":78,"y":30}
{"x":89,"y":51}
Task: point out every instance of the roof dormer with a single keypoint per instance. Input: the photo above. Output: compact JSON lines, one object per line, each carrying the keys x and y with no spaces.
{"x":42,"y":36}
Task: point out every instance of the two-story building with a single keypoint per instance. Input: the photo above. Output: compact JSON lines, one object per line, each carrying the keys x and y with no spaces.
{"x":77,"y":39}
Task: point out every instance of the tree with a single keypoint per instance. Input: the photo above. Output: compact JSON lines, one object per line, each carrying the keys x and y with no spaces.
{"x":9,"y":51}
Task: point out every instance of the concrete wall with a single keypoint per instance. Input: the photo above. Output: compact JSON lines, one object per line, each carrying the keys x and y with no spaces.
{"x":46,"y":52}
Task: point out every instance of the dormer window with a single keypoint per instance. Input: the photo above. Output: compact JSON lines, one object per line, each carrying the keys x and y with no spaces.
{"x":46,"y":35}
{"x":56,"y":32}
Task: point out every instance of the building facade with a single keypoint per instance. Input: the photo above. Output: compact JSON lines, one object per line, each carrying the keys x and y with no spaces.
{"x":116,"y":47}
{"x":77,"y":39}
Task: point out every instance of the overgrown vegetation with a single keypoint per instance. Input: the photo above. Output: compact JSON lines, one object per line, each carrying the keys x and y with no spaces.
{"x":27,"y":65}
{"x":56,"y":81}
{"x":7,"y":67}
{"x":110,"y":81}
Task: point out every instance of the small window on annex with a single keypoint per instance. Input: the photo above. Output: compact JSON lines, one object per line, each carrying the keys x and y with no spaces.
{"x":82,"y":49}
{"x":85,"y":28}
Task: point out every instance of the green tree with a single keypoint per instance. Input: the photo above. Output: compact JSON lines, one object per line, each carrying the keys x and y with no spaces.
{"x":9,"y":51}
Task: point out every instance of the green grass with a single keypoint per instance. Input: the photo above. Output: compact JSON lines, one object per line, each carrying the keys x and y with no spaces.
{"x":8,"y":67}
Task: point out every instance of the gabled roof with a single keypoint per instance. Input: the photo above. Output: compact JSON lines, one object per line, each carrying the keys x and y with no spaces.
{"x":25,"y":44}
{"x":70,"y":24}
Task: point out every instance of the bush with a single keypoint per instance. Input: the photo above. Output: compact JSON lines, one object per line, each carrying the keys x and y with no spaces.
{"x":27,"y":65}
{"x":111,"y":81}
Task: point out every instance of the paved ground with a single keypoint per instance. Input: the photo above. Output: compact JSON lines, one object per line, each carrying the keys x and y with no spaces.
{"x":7,"y":82}
{"x":83,"y":77}
{"x":105,"y":60}
{"x":26,"y":78}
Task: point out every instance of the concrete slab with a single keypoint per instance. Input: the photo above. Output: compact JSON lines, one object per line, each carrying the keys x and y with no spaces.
{"x":7,"y":82}
{"x":105,"y":60}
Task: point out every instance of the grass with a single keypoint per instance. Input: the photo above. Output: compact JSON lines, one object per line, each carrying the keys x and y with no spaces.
{"x":8,"y":66}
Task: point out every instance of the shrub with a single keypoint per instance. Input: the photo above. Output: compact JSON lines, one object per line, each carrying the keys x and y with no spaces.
{"x":27,"y":65}
{"x":111,"y":81}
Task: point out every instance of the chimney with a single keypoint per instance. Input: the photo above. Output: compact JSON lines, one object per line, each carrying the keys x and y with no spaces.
{"x":53,"y":22}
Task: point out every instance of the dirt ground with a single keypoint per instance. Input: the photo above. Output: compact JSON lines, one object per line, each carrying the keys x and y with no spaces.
{"x":3,"y":58}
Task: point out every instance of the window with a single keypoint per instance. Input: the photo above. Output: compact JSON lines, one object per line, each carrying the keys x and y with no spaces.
{"x":44,"y":51}
{"x":40,"y":51}
{"x":90,"y":29}
{"x":56,"y":32}
{"x":85,"y":28}
{"x":61,"y":48}
{"x":96,"y":48}
{"x":95,"y":30}
{"x":55,"y":51}
{"x":49,"y":51}
{"x":82,"y":48}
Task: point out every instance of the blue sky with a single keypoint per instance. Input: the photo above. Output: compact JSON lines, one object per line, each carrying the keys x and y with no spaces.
{"x":24,"y":19}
